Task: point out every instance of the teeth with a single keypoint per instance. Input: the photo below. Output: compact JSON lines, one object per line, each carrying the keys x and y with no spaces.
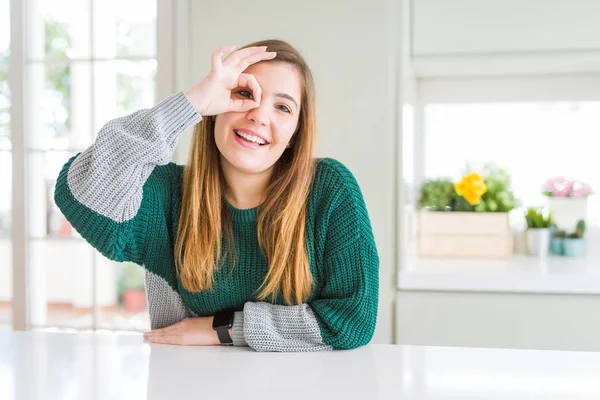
{"x":251,"y":138}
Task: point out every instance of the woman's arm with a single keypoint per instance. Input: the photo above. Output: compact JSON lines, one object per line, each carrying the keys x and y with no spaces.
{"x":344,"y":314}
{"x":343,"y":317}
{"x":108,"y":192}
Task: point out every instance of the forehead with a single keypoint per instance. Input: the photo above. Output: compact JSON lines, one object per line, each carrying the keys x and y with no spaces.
{"x":277,"y":77}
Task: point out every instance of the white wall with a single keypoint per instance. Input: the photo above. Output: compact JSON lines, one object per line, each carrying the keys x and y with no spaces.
{"x":352,"y":48}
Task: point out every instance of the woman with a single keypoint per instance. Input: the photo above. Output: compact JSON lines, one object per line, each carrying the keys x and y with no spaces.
{"x":254,"y":242}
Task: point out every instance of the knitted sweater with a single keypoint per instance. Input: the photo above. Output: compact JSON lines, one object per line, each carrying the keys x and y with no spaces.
{"x":123,"y":196}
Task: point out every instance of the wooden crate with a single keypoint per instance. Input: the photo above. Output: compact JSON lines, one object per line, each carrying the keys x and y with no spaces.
{"x":464,"y":235}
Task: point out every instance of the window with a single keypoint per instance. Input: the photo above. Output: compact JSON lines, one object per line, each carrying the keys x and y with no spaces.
{"x":532,"y":141}
{"x":86,"y":62}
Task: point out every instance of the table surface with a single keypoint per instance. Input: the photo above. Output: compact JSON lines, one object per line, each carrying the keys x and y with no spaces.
{"x":43,"y":365}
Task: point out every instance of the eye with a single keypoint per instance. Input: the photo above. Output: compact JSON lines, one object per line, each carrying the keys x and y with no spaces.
{"x":284,"y":108}
{"x":245,"y":93}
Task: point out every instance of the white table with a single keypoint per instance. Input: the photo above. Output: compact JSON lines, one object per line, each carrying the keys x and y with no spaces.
{"x":41,"y":365}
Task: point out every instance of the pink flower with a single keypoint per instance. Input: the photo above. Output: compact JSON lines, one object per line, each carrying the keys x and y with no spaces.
{"x":562,"y":192}
{"x":582,"y":190}
{"x":553,"y":183}
{"x":562,"y":187}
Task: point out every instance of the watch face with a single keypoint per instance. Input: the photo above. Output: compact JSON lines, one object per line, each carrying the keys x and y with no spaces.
{"x":223,"y":320}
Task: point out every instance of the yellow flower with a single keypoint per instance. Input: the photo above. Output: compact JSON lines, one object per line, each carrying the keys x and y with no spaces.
{"x":471,"y":187}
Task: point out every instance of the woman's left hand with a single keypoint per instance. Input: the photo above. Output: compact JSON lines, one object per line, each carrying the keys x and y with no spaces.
{"x":189,"y":332}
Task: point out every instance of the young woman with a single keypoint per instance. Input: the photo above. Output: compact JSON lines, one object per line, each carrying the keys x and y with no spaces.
{"x":253,"y":242}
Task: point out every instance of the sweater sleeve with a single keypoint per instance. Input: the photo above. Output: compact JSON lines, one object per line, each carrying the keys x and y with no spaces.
{"x":344,"y":314}
{"x":109,"y":191}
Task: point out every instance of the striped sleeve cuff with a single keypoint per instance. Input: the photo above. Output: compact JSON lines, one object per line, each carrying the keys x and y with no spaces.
{"x":238,"y":329}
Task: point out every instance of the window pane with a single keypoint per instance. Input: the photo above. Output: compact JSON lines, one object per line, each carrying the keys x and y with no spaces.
{"x":5,"y":283}
{"x":125,"y":28}
{"x":68,"y":302}
{"x":122,"y":87}
{"x":4,"y":31}
{"x":45,"y":219}
{"x":122,"y":296}
{"x":533,"y":141}
{"x":6,"y":193}
{"x":5,"y":240}
{"x":60,"y":29}
{"x":62,"y":119}
{"x":57,"y":300}
{"x":4,"y":106}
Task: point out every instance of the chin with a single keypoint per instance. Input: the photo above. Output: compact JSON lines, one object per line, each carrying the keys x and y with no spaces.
{"x":246,"y":163}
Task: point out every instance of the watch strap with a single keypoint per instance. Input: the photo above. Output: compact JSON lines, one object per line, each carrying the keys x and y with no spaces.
{"x":222,"y":322}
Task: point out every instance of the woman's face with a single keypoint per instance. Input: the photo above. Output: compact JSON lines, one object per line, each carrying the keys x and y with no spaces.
{"x":272,"y":124}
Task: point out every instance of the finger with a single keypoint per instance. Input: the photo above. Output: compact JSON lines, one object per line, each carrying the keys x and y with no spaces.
{"x":170,"y":339}
{"x":216,"y":62}
{"x":160,"y":332}
{"x":236,"y":56}
{"x":242,"y":105}
{"x":249,"y":81}
{"x":246,"y":62}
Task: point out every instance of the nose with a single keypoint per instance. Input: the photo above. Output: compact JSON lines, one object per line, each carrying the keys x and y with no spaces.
{"x":259,"y":115}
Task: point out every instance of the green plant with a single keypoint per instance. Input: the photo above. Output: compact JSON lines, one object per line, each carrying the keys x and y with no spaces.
{"x":499,"y":196}
{"x":437,"y":195}
{"x":561,"y":233}
{"x":536,"y":219}
{"x":579,"y":230}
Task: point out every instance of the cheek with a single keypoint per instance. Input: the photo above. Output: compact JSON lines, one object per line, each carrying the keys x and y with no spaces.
{"x":222,"y":125}
{"x":286,"y":130}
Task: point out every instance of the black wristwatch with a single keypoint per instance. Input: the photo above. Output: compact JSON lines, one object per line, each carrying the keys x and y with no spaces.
{"x":222,"y":323}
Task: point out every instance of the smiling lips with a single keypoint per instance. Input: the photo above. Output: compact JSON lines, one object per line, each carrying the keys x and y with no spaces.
{"x":249,"y":139}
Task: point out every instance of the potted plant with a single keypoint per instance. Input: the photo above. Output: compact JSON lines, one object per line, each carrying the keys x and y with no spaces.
{"x":538,"y":231}
{"x":132,"y":287}
{"x":498,"y":196}
{"x":437,"y":195}
{"x":557,"y":241}
{"x":475,"y":222}
{"x":574,"y":243}
{"x":567,"y":199}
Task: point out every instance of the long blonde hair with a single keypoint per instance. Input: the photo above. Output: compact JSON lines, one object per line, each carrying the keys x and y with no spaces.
{"x":281,"y":218}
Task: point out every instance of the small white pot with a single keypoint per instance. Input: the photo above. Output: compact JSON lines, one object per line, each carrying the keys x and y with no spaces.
{"x":538,"y":242}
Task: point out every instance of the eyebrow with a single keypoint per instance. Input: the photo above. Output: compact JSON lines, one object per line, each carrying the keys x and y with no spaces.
{"x":287,"y":96}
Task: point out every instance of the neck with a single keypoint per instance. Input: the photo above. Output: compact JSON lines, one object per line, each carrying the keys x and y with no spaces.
{"x":244,"y":190}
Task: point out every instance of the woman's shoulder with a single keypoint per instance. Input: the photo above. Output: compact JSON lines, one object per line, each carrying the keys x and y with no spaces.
{"x":334,"y":175}
{"x":334,"y":182}
{"x":338,"y":202}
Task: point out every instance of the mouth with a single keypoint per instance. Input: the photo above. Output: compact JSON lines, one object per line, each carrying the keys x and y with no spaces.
{"x":250,"y":140}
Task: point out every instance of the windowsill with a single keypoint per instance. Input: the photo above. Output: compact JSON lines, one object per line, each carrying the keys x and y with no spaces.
{"x":519,"y":274}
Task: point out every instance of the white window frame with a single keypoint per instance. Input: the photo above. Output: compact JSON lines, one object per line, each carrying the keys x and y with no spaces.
{"x":492,"y":89}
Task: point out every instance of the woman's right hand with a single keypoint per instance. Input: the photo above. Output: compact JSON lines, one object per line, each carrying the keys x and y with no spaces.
{"x":212,"y":95}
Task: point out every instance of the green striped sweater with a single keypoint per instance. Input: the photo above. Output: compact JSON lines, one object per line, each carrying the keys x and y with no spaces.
{"x":123,"y":196}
